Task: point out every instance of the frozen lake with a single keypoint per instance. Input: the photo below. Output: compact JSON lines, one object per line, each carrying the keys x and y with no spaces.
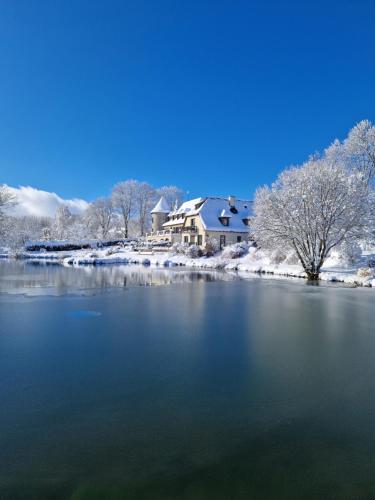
{"x":205,"y":387}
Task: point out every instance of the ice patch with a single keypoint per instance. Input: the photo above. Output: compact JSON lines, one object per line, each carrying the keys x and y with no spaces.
{"x":83,"y":314}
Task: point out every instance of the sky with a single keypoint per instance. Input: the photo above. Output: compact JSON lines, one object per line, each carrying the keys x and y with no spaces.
{"x":216,"y":97}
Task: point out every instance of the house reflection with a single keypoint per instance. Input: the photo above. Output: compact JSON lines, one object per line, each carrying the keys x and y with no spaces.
{"x":32,"y":278}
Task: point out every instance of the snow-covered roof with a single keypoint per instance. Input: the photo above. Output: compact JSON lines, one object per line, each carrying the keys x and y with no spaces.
{"x":174,"y":222}
{"x":188,"y":207}
{"x":161,"y":207}
{"x":225,"y":213}
{"x":211,"y":210}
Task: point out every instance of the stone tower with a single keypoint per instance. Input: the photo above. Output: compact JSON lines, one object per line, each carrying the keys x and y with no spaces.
{"x":159,"y":214}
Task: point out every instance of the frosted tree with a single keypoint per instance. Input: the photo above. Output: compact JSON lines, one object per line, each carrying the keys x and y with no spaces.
{"x":23,"y":229}
{"x":7,"y":199}
{"x":357,"y":151}
{"x":99,"y":217}
{"x":124,"y":201}
{"x":144,"y":198}
{"x":311,"y":209}
{"x":173,"y":194}
{"x":63,"y":222}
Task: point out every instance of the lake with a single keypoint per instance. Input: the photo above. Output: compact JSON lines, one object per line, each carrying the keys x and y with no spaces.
{"x":127,"y":382}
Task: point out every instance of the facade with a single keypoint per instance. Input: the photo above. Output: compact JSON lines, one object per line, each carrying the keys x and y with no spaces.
{"x":225,"y":219}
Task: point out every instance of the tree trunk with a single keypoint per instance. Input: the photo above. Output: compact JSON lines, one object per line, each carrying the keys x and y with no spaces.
{"x":313,"y":275}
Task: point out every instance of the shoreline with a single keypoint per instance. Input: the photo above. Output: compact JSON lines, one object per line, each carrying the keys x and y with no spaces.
{"x":255,"y":263}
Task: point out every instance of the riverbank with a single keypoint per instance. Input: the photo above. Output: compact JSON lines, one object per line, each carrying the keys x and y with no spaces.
{"x":254,"y":261}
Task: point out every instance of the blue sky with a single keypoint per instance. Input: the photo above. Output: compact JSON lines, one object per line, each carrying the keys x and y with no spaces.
{"x":214,"y":96}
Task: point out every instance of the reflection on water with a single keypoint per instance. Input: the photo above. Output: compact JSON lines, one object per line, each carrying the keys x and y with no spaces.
{"x":32,"y":278}
{"x":246,"y":389}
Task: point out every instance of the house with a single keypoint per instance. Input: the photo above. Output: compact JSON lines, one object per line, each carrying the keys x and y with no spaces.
{"x":195,"y":221}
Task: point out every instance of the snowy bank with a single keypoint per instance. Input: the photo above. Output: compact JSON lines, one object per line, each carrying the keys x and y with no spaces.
{"x":254,"y":261}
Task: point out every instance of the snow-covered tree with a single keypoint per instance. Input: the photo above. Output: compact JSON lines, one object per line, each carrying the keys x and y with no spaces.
{"x":349,"y":252}
{"x":311,"y":209}
{"x":173,"y":194}
{"x":357,"y":151}
{"x":124,"y":201}
{"x":20,"y":230}
{"x":144,"y":198}
{"x":62,"y":223}
{"x":99,"y":217}
{"x":7,"y":199}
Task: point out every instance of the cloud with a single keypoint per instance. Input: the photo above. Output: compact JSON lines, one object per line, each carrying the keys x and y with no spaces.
{"x":32,"y":201}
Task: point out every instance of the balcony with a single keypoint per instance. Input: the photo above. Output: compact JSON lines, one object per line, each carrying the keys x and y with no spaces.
{"x":166,"y":232}
{"x":189,"y":229}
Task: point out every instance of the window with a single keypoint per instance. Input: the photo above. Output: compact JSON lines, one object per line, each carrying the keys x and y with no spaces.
{"x":186,"y":239}
{"x":224,"y":221}
{"x":222,"y":240}
{"x":192,"y":239}
{"x":199,"y":240}
{"x":192,"y":222}
{"x":245,"y":221}
{"x":233,"y":210}
{"x":239,"y":239}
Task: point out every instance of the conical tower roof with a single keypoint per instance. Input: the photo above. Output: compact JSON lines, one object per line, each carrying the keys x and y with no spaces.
{"x":161,"y":207}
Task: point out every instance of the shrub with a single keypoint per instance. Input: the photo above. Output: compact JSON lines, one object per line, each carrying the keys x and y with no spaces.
{"x":277,"y":256}
{"x":179,"y":248}
{"x":235,"y":251}
{"x":364,"y":272}
{"x":349,"y":252}
{"x":292,"y":258}
{"x":212,"y":246}
{"x":193,"y":251}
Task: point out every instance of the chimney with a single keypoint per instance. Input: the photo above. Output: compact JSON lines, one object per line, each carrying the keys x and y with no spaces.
{"x":232,"y":200}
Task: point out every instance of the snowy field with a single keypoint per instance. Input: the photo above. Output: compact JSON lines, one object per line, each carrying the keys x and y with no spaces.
{"x":359,"y":273}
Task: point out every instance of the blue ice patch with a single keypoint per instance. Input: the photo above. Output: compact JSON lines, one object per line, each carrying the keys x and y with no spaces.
{"x":83,"y":314}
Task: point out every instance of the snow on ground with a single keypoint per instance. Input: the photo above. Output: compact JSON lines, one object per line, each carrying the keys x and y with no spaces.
{"x":255,"y":261}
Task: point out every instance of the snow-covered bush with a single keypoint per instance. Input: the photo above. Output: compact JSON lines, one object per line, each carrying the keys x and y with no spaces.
{"x":212,"y":246}
{"x":277,"y":256}
{"x":113,"y":250}
{"x":365,"y":272}
{"x":292,"y":259}
{"x":15,"y":232}
{"x":235,"y":251}
{"x":349,"y":252}
{"x":179,"y":248}
{"x":193,"y":251}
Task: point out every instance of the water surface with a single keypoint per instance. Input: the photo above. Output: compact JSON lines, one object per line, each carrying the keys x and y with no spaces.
{"x":208,"y":387}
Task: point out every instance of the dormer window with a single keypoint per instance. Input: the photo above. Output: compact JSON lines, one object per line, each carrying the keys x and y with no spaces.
{"x":224,"y":217}
{"x":224,"y":221}
{"x":233,"y":210}
{"x":245,"y":221}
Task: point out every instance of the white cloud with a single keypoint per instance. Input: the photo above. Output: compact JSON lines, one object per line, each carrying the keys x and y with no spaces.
{"x":32,"y":201}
